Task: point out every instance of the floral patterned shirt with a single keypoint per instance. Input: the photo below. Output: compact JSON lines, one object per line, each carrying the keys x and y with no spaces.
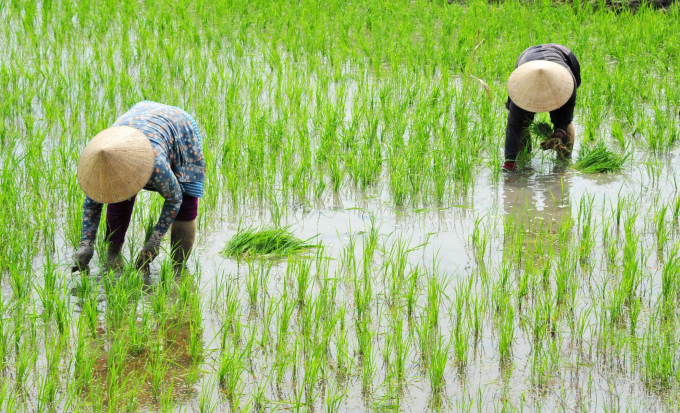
{"x":178,"y":159}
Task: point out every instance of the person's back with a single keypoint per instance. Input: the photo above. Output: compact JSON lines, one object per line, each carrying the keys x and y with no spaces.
{"x":173,"y":130}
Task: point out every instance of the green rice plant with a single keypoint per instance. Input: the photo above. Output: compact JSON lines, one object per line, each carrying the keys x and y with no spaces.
{"x":478,"y":309}
{"x":253,"y":284}
{"x":660,"y":132}
{"x":617,"y":133}
{"x":541,"y":130}
{"x":47,"y":392}
{"x":266,"y":242}
{"x":586,"y":226}
{"x":366,"y":99}
{"x":461,"y":340}
{"x":157,"y":368}
{"x":334,"y":398}
{"x":412,"y":291}
{"x":231,"y":369}
{"x":660,"y":356}
{"x":284,"y":318}
{"x":434,"y":298}
{"x":83,"y":356}
{"x":618,"y":211}
{"x":5,"y":332}
{"x":368,"y":356}
{"x":662,"y":230}
{"x":140,"y":327}
{"x":19,"y":278}
{"x":480,"y":242}
{"x":506,"y":331}
{"x":635,"y":307}
{"x":342,"y":343}
{"x":598,"y":158}
{"x":370,"y":242}
{"x":116,"y":303}
{"x":526,"y":279}
{"x":676,"y":210}
{"x":670,"y":283}
{"x":633,"y":266}
{"x":206,"y":404}
{"x":195,"y":346}
{"x":302,"y":271}
{"x":313,"y":366}
{"x":436,"y":365}
{"x":25,"y":359}
{"x":566,"y":282}
{"x":402,"y":348}
{"x":88,"y":290}
{"x":364,"y":334}
{"x":166,"y":401}
{"x":116,"y":361}
{"x":230,"y":318}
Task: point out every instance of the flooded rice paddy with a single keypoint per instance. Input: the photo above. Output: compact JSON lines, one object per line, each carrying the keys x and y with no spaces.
{"x":439,"y":284}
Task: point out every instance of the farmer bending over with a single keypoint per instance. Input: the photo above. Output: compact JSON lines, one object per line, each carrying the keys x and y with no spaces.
{"x":545,"y":80}
{"x":154,"y":147}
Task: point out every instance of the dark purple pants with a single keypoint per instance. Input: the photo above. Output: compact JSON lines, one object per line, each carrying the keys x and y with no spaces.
{"x":118,"y":216}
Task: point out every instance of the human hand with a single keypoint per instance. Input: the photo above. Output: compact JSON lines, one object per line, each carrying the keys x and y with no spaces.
{"x":82,"y":257}
{"x":149,"y":252}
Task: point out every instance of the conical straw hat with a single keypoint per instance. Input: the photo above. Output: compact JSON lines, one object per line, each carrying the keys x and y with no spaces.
{"x":540,"y":86}
{"x":115,"y":164}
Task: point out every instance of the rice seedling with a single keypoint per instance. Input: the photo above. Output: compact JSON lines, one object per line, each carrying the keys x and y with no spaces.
{"x":506,"y":331}
{"x":598,"y":158}
{"x":354,"y":113}
{"x":266,"y":242}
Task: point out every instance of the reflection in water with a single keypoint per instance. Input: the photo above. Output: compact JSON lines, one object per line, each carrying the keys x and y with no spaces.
{"x":535,"y":208}
{"x":149,"y":357}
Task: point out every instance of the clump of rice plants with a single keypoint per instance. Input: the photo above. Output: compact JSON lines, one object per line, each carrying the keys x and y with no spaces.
{"x":266,"y":241}
{"x":598,"y":158}
{"x":541,"y":130}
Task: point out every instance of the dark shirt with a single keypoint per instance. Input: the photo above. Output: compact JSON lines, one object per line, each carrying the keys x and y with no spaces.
{"x":553,"y":52}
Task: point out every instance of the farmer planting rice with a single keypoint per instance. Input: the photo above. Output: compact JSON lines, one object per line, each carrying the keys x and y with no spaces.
{"x":545,"y":80}
{"x":154,"y":147}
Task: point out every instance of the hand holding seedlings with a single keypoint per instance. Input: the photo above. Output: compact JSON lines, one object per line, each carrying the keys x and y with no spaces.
{"x":545,"y":80}
{"x":154,"y":147}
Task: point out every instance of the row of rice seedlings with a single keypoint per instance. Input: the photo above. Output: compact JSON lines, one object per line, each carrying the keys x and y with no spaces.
{"x":274,"y":105}
{"x":256,"y":155}
{"x":318,"y":319}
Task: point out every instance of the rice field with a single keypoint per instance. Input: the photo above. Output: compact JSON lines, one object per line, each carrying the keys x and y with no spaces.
{"x":370,"y":135}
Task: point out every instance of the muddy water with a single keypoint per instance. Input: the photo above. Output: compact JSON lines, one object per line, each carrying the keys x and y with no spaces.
{"x":545,"y":192}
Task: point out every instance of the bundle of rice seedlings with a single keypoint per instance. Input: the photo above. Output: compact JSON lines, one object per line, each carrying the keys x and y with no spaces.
{"x":541,"y":130}
{"x":599,"y":158}
{"x":267,"y":241}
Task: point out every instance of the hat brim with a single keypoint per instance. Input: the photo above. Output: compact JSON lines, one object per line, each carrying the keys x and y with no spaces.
{"x":116,"y":164}
{"x":540,"y":86}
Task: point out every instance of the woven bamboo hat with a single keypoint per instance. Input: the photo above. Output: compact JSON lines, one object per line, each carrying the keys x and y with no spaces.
{"x":540,"y":86}
{"x":115,"y":164}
